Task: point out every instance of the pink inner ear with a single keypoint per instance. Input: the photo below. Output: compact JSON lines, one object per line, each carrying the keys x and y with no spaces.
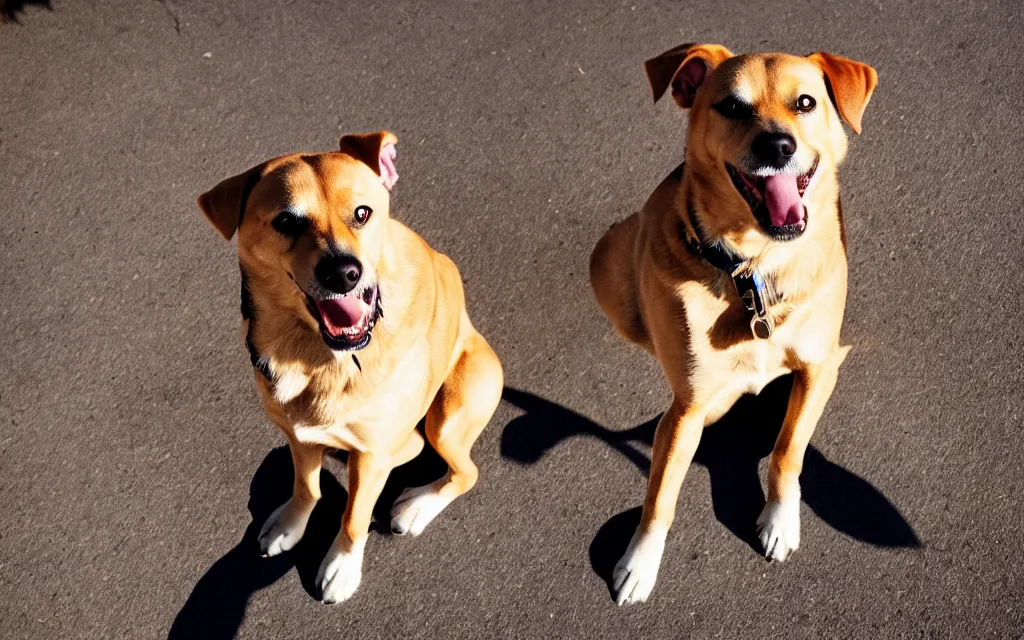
{"x":388,"y":173}
{"x":687,"y":80}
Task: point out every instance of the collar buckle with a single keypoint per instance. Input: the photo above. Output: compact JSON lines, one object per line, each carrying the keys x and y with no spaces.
{"x":754,"y":292}
{"x":748,"y":300}
{"x":756,"y":296}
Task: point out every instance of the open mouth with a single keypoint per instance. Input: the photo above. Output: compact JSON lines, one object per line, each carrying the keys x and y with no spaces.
{"x":346,"y":322}
{"x":776,"y":201}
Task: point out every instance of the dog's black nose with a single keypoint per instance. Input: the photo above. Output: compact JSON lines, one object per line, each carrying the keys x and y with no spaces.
{"x":340,"y":274}
{"x":774,"y":149}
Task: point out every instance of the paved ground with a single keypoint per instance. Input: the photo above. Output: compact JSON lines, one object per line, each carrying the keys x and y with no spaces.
{"x":134,"y":456}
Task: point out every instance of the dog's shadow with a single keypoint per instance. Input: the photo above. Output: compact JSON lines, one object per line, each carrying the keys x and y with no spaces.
{"x":731,"y":449}
{"x":217,"y":604}
{"x":9,"y":9}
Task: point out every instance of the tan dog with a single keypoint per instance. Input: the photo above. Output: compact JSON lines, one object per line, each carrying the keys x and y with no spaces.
{"x":321,"y":263}
{"x":734,"y":273}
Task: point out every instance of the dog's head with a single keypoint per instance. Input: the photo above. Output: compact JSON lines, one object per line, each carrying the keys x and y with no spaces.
{"x":311,"y":232}
{"x":768,"y":124}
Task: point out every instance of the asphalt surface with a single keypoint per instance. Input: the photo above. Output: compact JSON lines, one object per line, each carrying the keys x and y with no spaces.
{"x":136,"y":463}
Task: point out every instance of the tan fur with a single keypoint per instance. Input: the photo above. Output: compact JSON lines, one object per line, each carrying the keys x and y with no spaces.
{"x":424,"y":358}
{"x":687,"y":313}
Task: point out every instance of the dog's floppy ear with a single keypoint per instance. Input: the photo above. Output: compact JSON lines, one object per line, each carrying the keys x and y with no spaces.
{"x":850,"y":84}
{"x":223,"y":205}
{"x":377,"y":151}
{"x":684,"y":68}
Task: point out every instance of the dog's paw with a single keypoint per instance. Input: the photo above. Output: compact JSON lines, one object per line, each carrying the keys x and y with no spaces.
{"x":636,"y":572}
{"x":283,"y":529}
{"x":415,"y":508}
{"x":778,"y":528}
{"x":339,"y":574}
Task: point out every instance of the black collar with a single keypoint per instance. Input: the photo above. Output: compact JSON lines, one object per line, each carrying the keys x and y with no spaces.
{"x":756,"y":293}
{"x":713,"y":253}
{"x":247,"y":314}
{"x":257,"y":360}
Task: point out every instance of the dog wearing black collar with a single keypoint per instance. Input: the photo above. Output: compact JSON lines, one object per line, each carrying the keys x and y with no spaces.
{"x":319,"y":253}
{"x":734,"y":273}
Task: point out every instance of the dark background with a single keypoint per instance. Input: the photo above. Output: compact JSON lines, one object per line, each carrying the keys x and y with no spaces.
{"x":134,"y":455}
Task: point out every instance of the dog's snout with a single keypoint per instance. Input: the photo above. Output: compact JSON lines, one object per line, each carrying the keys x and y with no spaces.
{"x":774,"y":149}
{"x":339,"y":274}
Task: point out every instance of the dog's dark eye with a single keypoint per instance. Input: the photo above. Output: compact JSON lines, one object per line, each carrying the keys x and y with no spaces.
{"x":289,"y":225}
{"x":734,"y":109}
{"x":363,"y":213}
{"x":805,"y":104}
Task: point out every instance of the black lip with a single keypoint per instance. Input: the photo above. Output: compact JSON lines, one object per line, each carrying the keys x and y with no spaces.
{"x":344,"y":344}
{"x":759,"y":209}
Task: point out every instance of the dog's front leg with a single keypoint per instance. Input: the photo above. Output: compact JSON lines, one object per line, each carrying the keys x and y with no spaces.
{"x":342,"y":567}
{"x":778,"y":526}
{"x":284,"y":528}
{"x":675,"y":442}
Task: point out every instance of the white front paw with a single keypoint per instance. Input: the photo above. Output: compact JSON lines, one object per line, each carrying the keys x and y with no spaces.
{"x":778,"y":528}
{"x":636,"y":572}
{"x":415,"y":508}
{"x":284,"y":528}
{"x":340,"y":573}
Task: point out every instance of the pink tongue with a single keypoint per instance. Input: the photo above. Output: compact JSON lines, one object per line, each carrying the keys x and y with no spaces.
{"x":783,"y":200}
{"x":341,"y":313}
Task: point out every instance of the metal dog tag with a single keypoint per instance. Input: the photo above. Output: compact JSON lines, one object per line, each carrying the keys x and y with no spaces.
{"x":762,"y":327}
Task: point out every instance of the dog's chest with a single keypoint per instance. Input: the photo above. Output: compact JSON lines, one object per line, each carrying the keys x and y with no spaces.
{"x":363,"y":411}
{"x":755,"y":364}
